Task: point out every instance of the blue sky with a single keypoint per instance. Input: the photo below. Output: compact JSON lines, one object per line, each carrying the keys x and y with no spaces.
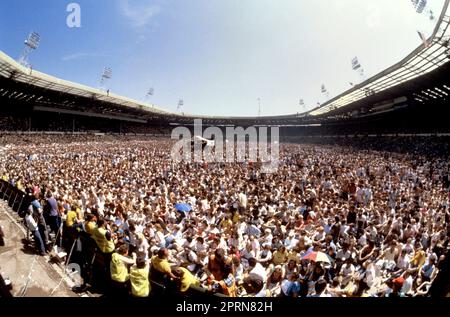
{"x":220,"y":56}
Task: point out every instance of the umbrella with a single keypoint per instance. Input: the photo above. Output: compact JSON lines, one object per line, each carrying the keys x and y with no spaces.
{"x":317,"y":257}
{"x":183,"y":207}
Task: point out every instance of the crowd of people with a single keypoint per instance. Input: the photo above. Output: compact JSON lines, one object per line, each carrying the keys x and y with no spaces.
{"x":333,"y":221}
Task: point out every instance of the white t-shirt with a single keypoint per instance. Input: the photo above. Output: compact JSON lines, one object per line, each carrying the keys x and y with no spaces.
{"x":255,"y":245}
{"x":347,"y":270}
{"x":243,"y":200}
{"x":259,"y":271}
{"x":403,"y":262}
{"x":362,"y":240}
{"x":359,"y":195}
{"x":407,"y":285}
{"x":31,"y":224}
{"x":160,"y":239}
{"x":290,"y":243}
{"x":370,"y":275}
{"x":390,"y":255}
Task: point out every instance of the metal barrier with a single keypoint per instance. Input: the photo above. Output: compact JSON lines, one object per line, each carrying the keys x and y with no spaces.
{"x":15,"y":197}
{"x":5,"y":289}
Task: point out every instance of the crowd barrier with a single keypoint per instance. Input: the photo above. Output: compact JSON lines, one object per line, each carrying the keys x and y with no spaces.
{"x":17,"y":199}
{"x":5,"y":289}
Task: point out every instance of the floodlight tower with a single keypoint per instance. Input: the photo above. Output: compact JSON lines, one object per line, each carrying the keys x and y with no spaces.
{"x":107,"y":74}
{"x":180,"y":105}
{"x":325,"y":92}
{"x":31,"y":44}
{"x":149,"y":93}
{"x":259,"y":107}
{"x":356,"y":66}
{"x":421,"y":7}
{"x":302,"y":104}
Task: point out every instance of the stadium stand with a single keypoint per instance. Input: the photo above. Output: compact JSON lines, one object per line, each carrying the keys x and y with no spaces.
{"x":107,"y":157}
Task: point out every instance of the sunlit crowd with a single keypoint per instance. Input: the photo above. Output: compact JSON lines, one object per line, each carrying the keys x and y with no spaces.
{"x":332,"y":221}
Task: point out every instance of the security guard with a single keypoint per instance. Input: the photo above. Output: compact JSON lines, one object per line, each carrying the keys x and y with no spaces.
{"x":105,"y":248}
{"x":103,"y":238}
{"x":119,"y":270}
{"x":140,"y":285}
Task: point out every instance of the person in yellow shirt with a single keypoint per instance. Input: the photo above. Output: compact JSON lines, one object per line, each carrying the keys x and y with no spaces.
{"x":140,"y":284}
{"x":161,"y":270}
{"x":119,"y":270}
{"x":226,"y":224}
{"x":71,"y":218}
{"x":280,"y":256}
{"x":185,"y":279}
{"x":419,"y":258}
{"x":236,"y":217}
{"x":69,"y":231}
{"x":103,"y":238}
{"x":105,"y":247}
{"x":19,"y":185}
{"x":91,"y":224}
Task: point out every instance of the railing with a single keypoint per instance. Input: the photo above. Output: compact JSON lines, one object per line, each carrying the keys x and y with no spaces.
{"x":5,"y":290}
{"x":16,"y":198}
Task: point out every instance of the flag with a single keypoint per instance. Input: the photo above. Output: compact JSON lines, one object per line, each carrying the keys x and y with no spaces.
{"x":424,"y":39}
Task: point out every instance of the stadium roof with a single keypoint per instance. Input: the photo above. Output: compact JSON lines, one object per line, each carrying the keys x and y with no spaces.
{"x":422,"y":61}
{"x":11,"y":69}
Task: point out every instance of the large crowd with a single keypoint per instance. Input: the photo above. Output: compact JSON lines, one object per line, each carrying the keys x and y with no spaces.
{"x":333,"y":221}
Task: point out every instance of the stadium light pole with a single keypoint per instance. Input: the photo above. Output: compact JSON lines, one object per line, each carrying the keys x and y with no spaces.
{"x":421,"y":7}
{"x":356,"y":66}
{"x":302,"y":104}
{"x":150,"y":93}
{"x":259,"y":107}
{"x":107,"y":74}
{"x":325,"y":92}
{"x":180,"y":105}
{"x":31,"y":44}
